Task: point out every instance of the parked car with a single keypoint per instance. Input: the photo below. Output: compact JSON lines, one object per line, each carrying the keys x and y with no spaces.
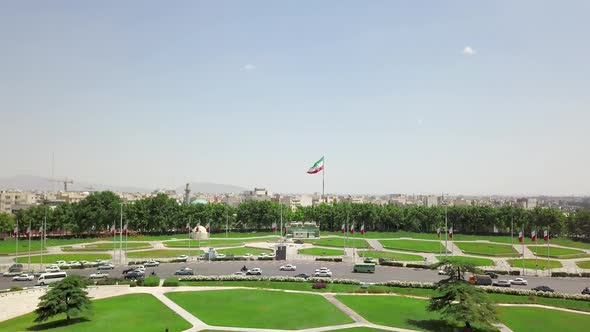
{"x":134,"y":275}
{"x":61,"y":263}
{"x":220,"y":256}
{"x":586,"y":291}
{"x":543,"y":289}
{"x":128,"y":270}
{"x":273,"y":255}
{"x":288,"y":267}
{"x":322,"y":269}
{"x":185,"y":271}
{"x":52,"y":268}
{"x":371,"y":260}
{"x":303,"y":275}
{"x":519,"y":281}
{"x":100,"y":261}
{"x":99,"y":275}
{"x":15,"y":268}
{"x":140,"y":268}
{"x":247,"y":255}
{"x":239,"y":273}
{"x":107,"y":266}
{"x":492,"y":275}
{"x":502,"y":283}
{"x":442,"y":272}
{"x":254,"y":271}
{"x":263,"y":255}
{"x":182,"y":257}
{"x":74,"y":264}
{"x":151,"y":263}
{"x":24,"y":277}
{"x":384,"y":260}
{"x":323,"y":273}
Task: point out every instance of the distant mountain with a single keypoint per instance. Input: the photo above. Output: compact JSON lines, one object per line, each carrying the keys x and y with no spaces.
{"x":212,"y":188}
{"x":30,"y":182}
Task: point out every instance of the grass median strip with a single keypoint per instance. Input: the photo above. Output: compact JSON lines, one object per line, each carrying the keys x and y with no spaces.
{"x":531,"y":263}
{"x":341,"y":242}
{"x":394,"y":256}
{"x":134,"y":312}
{"x":242,"y":251}
{"x":466,"y":259}
{"x":487,"y":249}
{"x":525,"y":319}
{"x":583,"y":264}
{"x":413,"y":245}
{"x":108,"y":246}
{"x":260,"y":309}
{"x":321,"y":252}
{"x":163,"y":253}
{"x":556,"y":252}
{"x":208,"y":243}
{"x":52,"y":258}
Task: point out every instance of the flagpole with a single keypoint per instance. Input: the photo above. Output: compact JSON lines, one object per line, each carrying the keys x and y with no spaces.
{"x":536,"y":255}
{"x":323,"y":179}
{"x":548,"y":266}
{"x":190,"y":230}
{"x":523,"y":249}
{"x":446,"y":233}
{"x":42,"y":231}
{"x":281,"y":222}
{"x":114,"y":231}
{"x":29,"y":236}
{"x":121,"y":236}
{"x":353,"y":247}
{"x":16,"y":249}
{"x":512,"y":230}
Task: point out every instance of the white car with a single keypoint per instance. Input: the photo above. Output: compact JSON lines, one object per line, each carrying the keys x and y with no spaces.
{"x":220,"y":256}
{"x":442,"y":272}
{"x":52,"y":268}
{"x":74,"y":264}
{"x":184,"y":257}
{"x":247,"y":255}
{"x":99,"y":275}
{"x":254,"y":271}
{"x":323,"y":269}
{"x":519,"y":281}
{"x":263,"y":255}
{"x":24,"y":277}
{"x":151,"y":263}
{"x":323,"y":274}
{"x":271,"y":255}
{"x":140,"y":268}
{"x":288,"y":267}
{"x":107,"y":266}
{"x":61,"y":263}
{"x":239,"y":273}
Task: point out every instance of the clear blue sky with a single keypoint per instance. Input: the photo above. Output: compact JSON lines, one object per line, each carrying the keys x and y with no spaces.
{"x":251,"y":93}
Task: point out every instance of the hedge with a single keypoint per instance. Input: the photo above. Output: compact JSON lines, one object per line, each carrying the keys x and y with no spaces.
{"x":575,"y":275}
{"x":386,"y":263}
{"x":328,"y":259}
{"x":420,"y":266}
{"x":151,"y":281}
{"x":171,"y":282}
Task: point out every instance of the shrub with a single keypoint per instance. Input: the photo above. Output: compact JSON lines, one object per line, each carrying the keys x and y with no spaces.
{"x":514,"y":273}
{"x":319,"y":285}
{"x":558,"y":274}
{"x":585,"y":274}
{"x":390,"y":263}
{"x":420,"y":266}
{"x":329,"y":259}
{"x":15,"y":289}
{"x":171,"y":282}
{"x":133,"y":283}
{"x":151,"y":281}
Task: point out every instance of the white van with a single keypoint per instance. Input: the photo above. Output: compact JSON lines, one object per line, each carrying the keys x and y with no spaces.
{"x":48,"y":278}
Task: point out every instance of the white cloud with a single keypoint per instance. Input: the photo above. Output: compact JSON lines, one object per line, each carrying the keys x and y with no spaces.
{"x":468,"y":51}
{"x":249,"y":67}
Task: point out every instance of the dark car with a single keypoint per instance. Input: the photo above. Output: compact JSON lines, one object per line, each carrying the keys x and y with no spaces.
{"x":384,"y":260}
{"x":128,"y":270}
{"x":543,"y":289}
{"x":586,"y":291}
{"x":134,"y":275}
{"x":303,"y":275}
{"x":492,"y":275}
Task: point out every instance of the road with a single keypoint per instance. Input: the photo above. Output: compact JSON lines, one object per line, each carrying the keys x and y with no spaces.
{"x":339,"y":270}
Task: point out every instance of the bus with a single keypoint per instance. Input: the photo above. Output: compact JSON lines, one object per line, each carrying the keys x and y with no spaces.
{"x":48,"y":278}
{"x":364,"y":268}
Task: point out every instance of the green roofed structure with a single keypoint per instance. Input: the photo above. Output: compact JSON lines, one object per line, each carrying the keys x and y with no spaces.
{"x":303,"y":230}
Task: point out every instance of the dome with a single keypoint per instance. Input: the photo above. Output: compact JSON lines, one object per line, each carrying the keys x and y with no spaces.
{"x":200,"y":201}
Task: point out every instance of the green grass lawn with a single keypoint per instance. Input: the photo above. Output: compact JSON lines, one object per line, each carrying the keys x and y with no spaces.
{"x":321,"y":252}
{"x":241,"y":251}
{"x":260,"y":309}
{"x":539,"y":319}
{"x":211,"y":243}
{"x":561,"y":303}
{"x":163,"y":253}
{"x":561,"y":253}
{"x":465,"y":259}
{"x":8,"y":246}
{"x":583,"y":264}
{"x":341,"y":242}
{"x":108,"y":246}
{"x":411,"y":245}
{"x":529,"y":263}
{"x":50,"y":259}
{"x":237,"y":235}
{"x":395,"y":256}
{"x":487,"y":249}
{"x":134,"y":312}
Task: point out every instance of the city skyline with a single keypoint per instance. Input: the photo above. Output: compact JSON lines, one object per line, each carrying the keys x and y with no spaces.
{"x":453,"y":97}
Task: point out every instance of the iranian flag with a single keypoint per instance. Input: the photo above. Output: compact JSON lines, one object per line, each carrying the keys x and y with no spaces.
{"x":125,"y":230}
{"x":451,"y":232}
{"x":520,"y":237}
{"x":352,"y":229}
{"x":533,"y":236}
{"x":113,"y":229}
{"x":438,"y":232}
{"x":363,"y":229}
{"x":28,"y":233}
{"x":15,"y":232}
{"x":317,"y":167}
{"x":343,"y":228}
{"x":208,"y":228}
{"x":546,"y":235}
{"x":274,"y":226}
{"x":187,"y":228}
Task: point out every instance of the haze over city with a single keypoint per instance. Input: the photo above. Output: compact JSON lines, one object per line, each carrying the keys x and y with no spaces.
{"x":457,"y":97}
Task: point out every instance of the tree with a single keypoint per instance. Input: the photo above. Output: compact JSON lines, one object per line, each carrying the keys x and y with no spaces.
{"x":460,"y":301}
{"x":6,"y":222}
{"x":67,"y":296}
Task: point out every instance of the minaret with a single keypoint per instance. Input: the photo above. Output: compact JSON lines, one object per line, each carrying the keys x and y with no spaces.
{"x":187,"y":194}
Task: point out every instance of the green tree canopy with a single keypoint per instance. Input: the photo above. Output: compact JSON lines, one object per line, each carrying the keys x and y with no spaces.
{"x":65,"y":297}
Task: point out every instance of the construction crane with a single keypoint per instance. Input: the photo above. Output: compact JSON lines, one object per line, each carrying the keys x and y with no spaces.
{"x":65,"y":181}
